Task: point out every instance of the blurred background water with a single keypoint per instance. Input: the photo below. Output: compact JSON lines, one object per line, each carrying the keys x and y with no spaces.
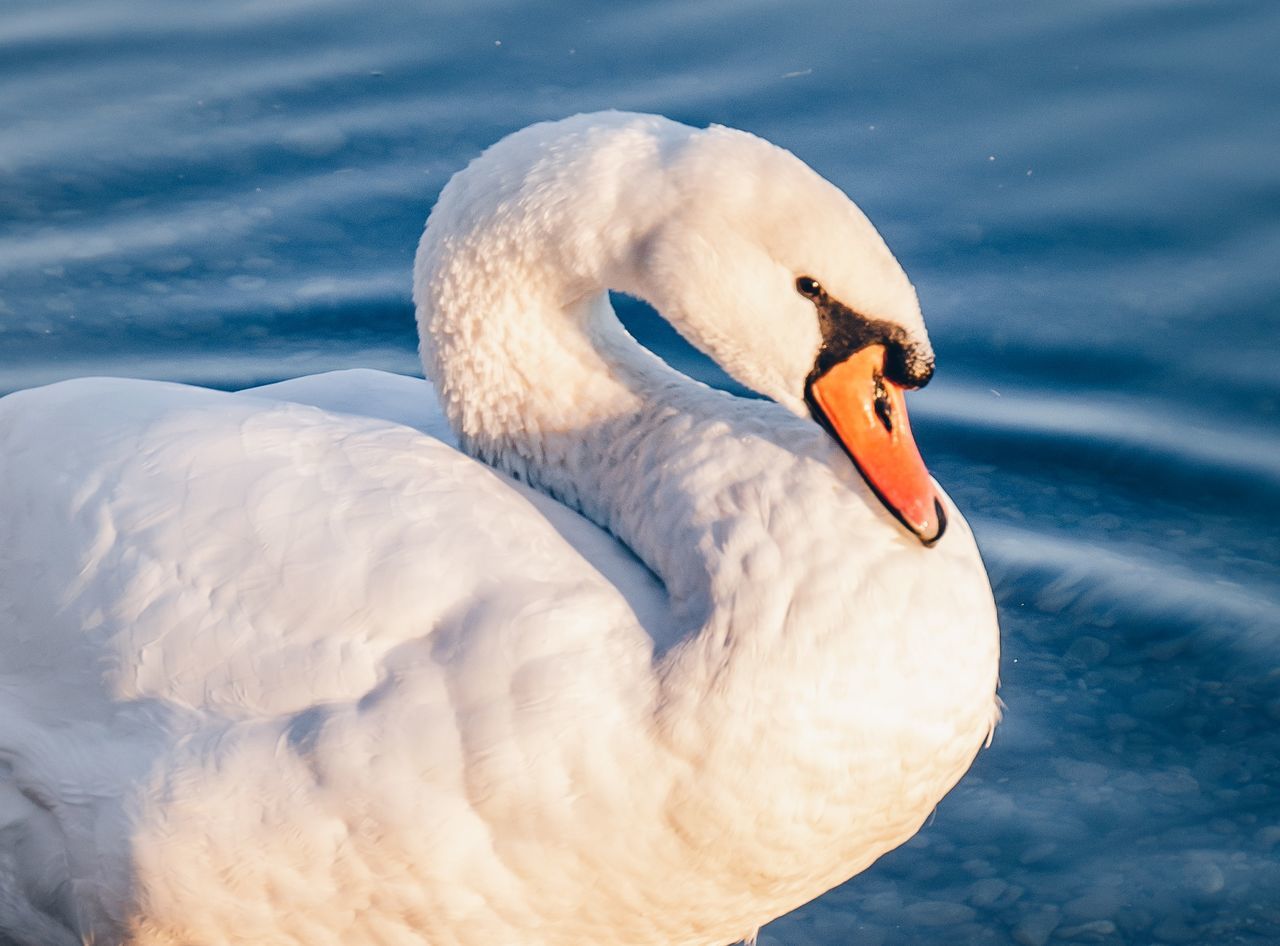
{"x":1086,"y":194}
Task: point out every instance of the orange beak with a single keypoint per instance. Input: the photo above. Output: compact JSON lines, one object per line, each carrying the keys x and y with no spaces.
{"x":867,"y":413}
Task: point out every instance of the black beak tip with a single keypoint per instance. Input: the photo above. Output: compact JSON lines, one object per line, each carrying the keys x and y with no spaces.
{"x":942,"y":525}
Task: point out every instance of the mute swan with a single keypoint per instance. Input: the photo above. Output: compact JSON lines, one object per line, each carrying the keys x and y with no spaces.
{"x":278,"y":674}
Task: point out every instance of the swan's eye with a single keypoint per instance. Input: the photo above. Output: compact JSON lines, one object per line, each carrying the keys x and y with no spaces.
{"x":807,"y":286}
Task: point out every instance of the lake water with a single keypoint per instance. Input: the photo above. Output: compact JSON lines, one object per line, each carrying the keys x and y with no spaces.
{"x":1086,"y":194}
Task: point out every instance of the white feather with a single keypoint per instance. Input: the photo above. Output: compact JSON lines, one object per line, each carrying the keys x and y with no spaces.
{"x":286,"y":667}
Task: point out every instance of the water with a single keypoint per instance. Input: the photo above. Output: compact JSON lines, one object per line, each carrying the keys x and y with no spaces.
{"x":1087,"y":196}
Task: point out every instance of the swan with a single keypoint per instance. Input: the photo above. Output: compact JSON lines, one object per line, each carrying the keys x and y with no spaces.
{"x":559,"y":648}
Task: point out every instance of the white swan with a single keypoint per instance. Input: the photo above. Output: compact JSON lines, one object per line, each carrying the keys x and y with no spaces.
{"x":274,"y":674}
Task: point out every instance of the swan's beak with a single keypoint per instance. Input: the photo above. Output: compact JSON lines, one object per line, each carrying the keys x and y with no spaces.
{"x":867,"y":413}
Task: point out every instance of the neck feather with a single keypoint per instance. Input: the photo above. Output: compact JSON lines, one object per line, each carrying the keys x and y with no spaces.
{"x":531,"y":365}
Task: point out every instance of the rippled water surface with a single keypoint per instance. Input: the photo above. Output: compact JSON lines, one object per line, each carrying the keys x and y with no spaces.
{"x":1086,"y":194}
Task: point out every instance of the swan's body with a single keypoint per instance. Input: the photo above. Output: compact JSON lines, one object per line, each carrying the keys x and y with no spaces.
{"x":277,"y":674}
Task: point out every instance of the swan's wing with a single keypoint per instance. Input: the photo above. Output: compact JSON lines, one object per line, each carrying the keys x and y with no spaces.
{"x":250,"y":556}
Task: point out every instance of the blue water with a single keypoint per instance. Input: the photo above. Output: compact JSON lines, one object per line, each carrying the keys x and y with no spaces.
{"x":1086,"y":194}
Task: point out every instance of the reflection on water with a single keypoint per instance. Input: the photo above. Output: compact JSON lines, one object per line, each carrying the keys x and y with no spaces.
{"x":1086,"y":195}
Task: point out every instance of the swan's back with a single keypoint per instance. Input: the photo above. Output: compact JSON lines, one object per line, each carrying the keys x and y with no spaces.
{"x":277,"y":555}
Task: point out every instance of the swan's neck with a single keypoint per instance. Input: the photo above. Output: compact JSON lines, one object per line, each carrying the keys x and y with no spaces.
{"x":531,"y":365}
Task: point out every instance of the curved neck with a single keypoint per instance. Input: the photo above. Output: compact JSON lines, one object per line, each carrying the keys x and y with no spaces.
{"x":540,"y":380}
{"x":531,"y":365}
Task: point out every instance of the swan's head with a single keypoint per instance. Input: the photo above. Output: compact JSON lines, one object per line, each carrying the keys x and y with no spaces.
{"x":773,"y":272}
